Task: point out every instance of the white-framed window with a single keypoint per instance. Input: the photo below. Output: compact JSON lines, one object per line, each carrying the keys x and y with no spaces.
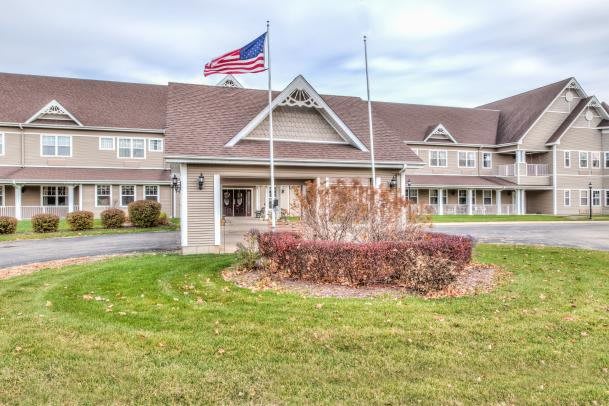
{"x":462,"y":197}
{"x":414,"y":196}
{"x":467,"y":159}
{"x":583,"y":159}
{"x":1,"y":143}
{"x":567,"y":198}
{"x":55,"y":145}
{"x":438,"y":158}
{"x":596,"y":198}
{"x":103,"y":195}
{"x":2,"y":195}
{"x":433,"y":196}
{"x":54,"y":195}
{"x":132,"y":148}
{"x":583,"y":197}
{"x":127,"y":194}
{"x":106,"y":143}
{"x":155,"y":145}
{"x":487,"y":160}
{"x":606,"y":159}
{"x":567,"y":159}
{"x":151,"y":192}
{"x":487,"y":197}
{"x":607,"y":198}
{"x":595,"y":158}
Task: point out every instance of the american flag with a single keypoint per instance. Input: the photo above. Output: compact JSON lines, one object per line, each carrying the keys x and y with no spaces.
{"x":249,"y":59}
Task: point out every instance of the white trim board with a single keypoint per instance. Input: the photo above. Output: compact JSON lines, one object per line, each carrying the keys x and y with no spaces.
{"x":53,"y":104}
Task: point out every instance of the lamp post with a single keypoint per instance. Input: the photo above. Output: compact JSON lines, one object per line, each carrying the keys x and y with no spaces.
{"x":393,"y":183}
{"x":590,"y":201}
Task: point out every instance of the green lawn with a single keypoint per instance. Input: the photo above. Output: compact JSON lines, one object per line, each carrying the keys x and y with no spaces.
{"x":462,"y":218}
{"x":168,"y":329}
{"x":24,"y":230}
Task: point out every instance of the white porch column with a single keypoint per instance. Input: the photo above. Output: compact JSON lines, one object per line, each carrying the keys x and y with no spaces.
{"x":18,"y":202}
{"x":523,"y":202}
{"x":440,"y":201}
{"x":266,"y":203}
{"x":498,"y":200}
{"x":80,"y":205}
{"x":257,"y":198}
{"x":518,"y":202}
{"x":70,"y":198}
{"x":403,"y":184}
{"x":184,"y":205}
{"x":217,"y":210}
{"x":470,"y":209}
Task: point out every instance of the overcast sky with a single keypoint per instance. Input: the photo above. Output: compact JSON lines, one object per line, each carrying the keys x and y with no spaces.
{"x":461,"y":53}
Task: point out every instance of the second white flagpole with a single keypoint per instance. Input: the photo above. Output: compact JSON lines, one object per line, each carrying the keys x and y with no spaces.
{"x":374,"y":183}
{"x":271,"y":152}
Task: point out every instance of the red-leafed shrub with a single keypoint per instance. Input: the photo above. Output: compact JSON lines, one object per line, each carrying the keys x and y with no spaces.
{"x":8,"y":225}
{"x":144,"y":213}
{"x":45,"y":223}
{"x":80,"y":220}
{"x":428,"y":263}
{"x":113,"y":218}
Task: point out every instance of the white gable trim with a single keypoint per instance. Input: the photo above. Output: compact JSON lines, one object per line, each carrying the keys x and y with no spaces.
{"x":230,"y":81}
{"x":314,"y":100}
{"x":53,"y":107}
{"x":572,"y":84}
{"x":442,"y":131}
{"x":593,"y":102}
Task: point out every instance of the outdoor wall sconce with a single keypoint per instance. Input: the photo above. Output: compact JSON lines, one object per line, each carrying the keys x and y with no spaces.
{"x":200,"y":181}
{"x":176,"y":184}
{"x":393,"y":183}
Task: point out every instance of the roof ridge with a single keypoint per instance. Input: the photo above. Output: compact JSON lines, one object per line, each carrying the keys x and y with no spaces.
{"x":527,"y":92}
{"x":25,"y":75}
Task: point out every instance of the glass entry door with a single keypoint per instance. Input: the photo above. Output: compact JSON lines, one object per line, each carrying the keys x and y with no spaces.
{"x":237,"y":202}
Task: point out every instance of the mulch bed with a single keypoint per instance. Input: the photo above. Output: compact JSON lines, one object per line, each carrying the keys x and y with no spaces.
{"x":477,"y":278}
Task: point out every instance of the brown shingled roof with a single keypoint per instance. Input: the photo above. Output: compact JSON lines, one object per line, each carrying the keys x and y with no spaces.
{"x":202,"y":119}
{"x":605,"y":123}
{"x":519,"y":112}
{"x":18,"y":174}
{"x":569,"y":120}
{"x":93,"y":102}
{"x":456,"y":181}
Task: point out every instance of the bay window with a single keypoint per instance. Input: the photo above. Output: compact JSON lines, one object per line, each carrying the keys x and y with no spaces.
{"x":56,"y":145}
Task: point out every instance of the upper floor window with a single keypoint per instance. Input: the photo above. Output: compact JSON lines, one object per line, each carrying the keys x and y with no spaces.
{"x":606,"y":159}
{"x":487,"y":160}
{"x":583,"y":159}
{"x":106,"y":143}
{"x":567,"y":159}
{"x":1,"y":144}
{"x":151,"y":193}
{"x":438,"y":158}
{"x":56,"y":145}
{"x":155,"y":145}
{"x":132,"y":148}
{"x":54,"y":196}
{"x":467,"y":159}
{"x":595,"y":157}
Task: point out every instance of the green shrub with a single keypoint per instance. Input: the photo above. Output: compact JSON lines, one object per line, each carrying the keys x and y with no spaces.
{"x":112,"y":218}
{"x":247,"y":253}
{"x":144,"y":213}
{"x":8,"y":225}
{"x":80,"y":220}
{"x":45,"y":223}
{"x":163,"y":219}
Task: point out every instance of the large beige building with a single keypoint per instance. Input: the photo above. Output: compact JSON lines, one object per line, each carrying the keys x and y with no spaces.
{"x":70,"y":143}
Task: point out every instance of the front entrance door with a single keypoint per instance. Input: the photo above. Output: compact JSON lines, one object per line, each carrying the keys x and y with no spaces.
{"x":237,"y":202}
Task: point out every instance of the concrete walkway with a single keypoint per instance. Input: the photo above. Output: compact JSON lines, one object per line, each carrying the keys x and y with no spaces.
{"x":23,"y":252}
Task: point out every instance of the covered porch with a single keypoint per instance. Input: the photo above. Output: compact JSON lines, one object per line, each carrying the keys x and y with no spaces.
{"x":23,"y":201}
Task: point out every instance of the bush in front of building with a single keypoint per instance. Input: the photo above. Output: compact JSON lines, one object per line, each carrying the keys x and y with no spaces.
{"x":144,"y":213}
{"x":80,"y":220}
{"x":8,"y":225}
{"x":428,"y":263}
{"x":45,"y":223}
{"x":113,"y":218}
{"x":163,"y":219}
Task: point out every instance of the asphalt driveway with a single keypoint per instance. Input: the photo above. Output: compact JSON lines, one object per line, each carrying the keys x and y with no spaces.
{"x":23,"y":252}
{"x":590,"y":235}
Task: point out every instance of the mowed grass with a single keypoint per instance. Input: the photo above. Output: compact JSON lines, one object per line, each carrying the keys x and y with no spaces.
{"x":25,"y":232}
{"x":463,"y":218}
{"x":169,"y":329}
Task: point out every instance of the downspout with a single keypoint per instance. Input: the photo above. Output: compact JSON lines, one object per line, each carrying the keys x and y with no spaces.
{"x":554,"y":183}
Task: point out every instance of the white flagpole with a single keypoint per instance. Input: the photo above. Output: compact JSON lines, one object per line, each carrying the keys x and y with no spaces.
{"x":272,"y":159}
{"x":370,"y":116}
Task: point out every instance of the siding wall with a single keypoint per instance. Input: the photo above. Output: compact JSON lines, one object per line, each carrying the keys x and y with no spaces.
{"x":453,"y":161}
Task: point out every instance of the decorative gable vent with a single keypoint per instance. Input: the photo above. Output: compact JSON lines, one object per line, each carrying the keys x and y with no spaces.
{"x":439,"y":133}
{"x":230,"y":81}
{"x":54,"y":111}
{"x":300,"y":98}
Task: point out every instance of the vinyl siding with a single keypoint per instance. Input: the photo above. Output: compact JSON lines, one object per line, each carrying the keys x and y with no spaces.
{"x":541,"y":131}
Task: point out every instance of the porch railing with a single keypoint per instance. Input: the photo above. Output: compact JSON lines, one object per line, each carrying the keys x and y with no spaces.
{"x":506,"y":170}
{"x":531,"y":170}
{"x":8,"y":211}
{"x":477,"y":209}
{"x":537,"y":170}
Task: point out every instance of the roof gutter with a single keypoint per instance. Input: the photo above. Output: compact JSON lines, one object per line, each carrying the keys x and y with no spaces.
{"x":91,"y":128}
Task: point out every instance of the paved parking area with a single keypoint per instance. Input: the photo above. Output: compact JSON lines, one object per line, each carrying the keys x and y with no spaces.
{"x":590,"y":235}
